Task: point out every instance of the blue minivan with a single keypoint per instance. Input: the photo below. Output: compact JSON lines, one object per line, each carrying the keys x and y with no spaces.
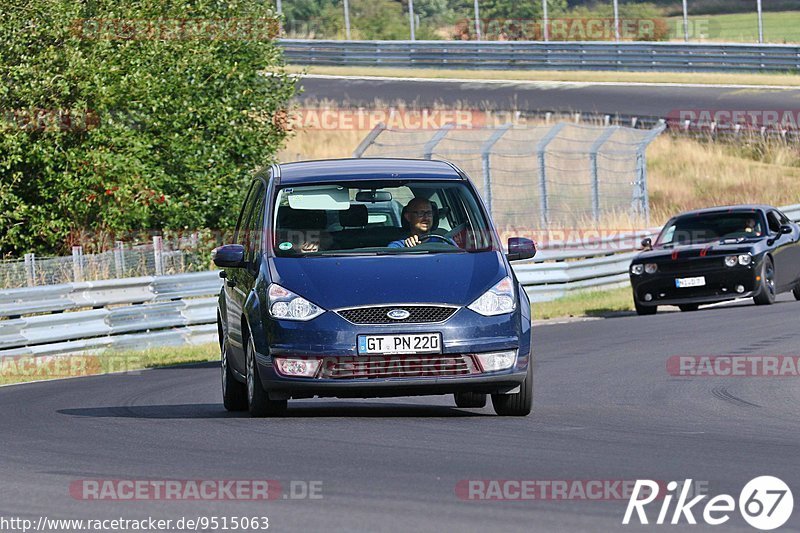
{"x":358,"y":278}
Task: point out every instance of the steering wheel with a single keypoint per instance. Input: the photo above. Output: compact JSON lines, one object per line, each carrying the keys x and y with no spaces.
{"x":430,"y":236}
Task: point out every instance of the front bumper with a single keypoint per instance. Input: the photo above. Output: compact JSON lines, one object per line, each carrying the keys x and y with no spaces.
{"x":331,"y":337}
{"x":720,"y":286}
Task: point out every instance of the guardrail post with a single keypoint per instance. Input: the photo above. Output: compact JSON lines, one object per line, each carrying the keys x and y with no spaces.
{"x":77,"y":263}
{"x":486,"y":163}
{"x":544,"y":207}
{"x":119,"y":258}
{"x":369,"y":139}
{"x":158,"y":254}
{"x":430,"y":146}
{"x":30,"y":269}
{"x":598,"y":143}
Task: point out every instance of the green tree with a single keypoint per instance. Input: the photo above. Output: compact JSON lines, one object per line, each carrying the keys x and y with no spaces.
{"x":112,"y":123}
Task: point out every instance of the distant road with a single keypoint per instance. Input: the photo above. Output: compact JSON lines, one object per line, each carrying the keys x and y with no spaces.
{"x":590,"y":97}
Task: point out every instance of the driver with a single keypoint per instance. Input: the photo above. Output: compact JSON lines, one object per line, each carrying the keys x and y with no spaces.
{"x":419,"y":215}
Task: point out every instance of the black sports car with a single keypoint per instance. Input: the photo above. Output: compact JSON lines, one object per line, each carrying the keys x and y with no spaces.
{"x":717,"y":254}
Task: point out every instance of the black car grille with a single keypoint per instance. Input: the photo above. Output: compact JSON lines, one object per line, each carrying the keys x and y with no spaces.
{"x":397,"y":366}
{"x":418,"y":314}
{"x":689,"y":266}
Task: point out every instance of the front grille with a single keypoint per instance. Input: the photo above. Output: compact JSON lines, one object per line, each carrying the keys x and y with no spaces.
{"x":690,"y":266}
{"x":418,"y":314}
{"x":397,"y":366}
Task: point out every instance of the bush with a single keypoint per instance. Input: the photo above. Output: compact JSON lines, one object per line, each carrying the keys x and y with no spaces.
{"x":112,"y":125}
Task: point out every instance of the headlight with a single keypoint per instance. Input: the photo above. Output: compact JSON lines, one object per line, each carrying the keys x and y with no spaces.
{"x":651,"y":268}
{"x":492,"y":362}
{"x":286,"y":305}
{"x":745,"y":259}
{"x":637,"y":270}
{"x":731,"y":261}
{"x":496,"y":301}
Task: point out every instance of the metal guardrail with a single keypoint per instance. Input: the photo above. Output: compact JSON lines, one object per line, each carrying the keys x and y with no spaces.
{"x":137,"y":313}
{"x":530,"y":55}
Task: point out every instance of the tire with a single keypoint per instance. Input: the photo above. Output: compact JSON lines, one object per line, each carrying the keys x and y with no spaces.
{"x":766,"y":293}
{"x":517,"y":404}
{"x":645,"y":309}
{"x":796,"y":292}
{"x":234,"y":392}
{"x":258,"y":401}
{"x":467,"y":400}
{"x":688,"y":307}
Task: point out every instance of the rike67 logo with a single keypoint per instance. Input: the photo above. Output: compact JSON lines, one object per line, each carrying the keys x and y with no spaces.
{"x":765,"y":503}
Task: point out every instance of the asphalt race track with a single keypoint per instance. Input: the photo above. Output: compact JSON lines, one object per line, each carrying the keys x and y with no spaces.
{"x":605,"y":409}
{"x":621,"y":98}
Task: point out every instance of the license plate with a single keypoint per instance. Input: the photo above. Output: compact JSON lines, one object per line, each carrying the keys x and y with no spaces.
{"x":690,"y":282}
{"x":400,"y":344}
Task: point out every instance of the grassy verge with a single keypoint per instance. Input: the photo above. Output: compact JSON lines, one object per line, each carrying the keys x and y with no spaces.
{"x":588,"y":303}
{"x":548,"y":75}
{"x":28,"y":368}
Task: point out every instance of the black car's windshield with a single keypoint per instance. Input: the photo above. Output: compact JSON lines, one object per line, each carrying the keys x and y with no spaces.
{"x":368,"y":218}
{"x":710,"y":227}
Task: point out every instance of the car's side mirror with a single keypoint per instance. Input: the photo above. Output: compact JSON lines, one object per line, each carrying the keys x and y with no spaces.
{"x":785,"y":230}
{"x":520,"y":248}
{"x":647,"y":243}
{"x":228,"y":255}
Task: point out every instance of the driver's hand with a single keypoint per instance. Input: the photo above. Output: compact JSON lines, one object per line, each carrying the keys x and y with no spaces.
{"x":310,"y":247}
{"x":411,"y":241}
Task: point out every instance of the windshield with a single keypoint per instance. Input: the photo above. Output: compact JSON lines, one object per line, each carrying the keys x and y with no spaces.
{"x":699,"y":229}
{"x":371,"y":218}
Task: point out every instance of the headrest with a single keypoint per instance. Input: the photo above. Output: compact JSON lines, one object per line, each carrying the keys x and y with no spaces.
{"x":355,"y":216}
{"x":434,"y":223}
{"x":289,"y":218}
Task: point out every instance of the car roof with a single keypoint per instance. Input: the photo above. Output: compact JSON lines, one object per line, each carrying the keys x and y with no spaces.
{"x":366,"y":169}
{"x":726,"y":209}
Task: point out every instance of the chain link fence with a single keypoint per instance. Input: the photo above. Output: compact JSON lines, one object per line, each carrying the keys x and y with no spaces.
{"x":153,"y":259}
{"x":555,"y":176}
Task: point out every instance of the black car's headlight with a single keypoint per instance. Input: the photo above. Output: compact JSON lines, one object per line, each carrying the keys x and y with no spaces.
{"x":741,"y":259}
{"x":283,"y":304}
{"x":498,"y":300}
{"x":637,"y":270}
{"x":651,"y":268}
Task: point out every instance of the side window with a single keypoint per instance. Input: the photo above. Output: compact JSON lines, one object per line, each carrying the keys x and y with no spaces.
{"x":774,"y":222}
{"x":784,"y":219}
{"x":255,"y":223}
{"x":239,"y":234}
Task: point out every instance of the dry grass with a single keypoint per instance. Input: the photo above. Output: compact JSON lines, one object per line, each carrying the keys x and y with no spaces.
{"x":576,"y":76}
{"x":683,"y":173}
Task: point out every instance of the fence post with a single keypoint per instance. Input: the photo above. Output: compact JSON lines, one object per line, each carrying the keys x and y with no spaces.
{"x":119,"y":258}
{"x":485,"y":162}
{"x":430,"y":146}
{"x":598,"y":143}
{"x":30,"y":269}
{"x":77,"y":263}
{"x":158,"y":249}
{"x":544,"y":206}
{"x":641,"y":202}
{"x":369,"y":139}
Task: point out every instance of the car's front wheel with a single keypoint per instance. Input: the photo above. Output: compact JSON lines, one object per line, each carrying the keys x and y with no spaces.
{"x":766,"y":293}
{"x":467,"y":400}
{"x":519,"y":403}
{"x":234,"y":392}
{"x":796,"y":292}
{"x":258,"y":401}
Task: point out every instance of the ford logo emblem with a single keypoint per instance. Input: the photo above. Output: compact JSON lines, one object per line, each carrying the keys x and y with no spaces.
{"x":398,"y":314}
